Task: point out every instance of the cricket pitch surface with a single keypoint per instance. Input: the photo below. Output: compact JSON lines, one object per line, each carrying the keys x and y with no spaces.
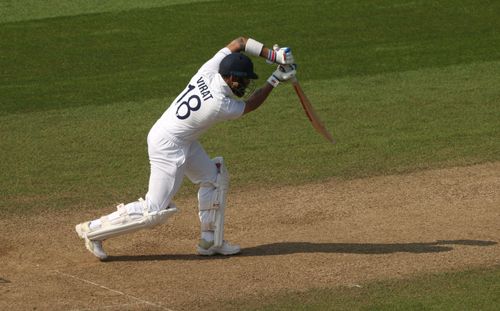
{"x":339,"y":233}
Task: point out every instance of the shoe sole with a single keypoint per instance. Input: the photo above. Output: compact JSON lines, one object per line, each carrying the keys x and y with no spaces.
{"x":211,"y":252}
{"x":205,"y":252}
{"x":230,"y":253}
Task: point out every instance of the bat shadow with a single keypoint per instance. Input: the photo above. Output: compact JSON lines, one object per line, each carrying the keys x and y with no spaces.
{"x":288,"y":248}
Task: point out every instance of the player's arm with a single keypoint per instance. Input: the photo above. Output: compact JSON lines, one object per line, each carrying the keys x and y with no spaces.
{"x":253,"y":47}
{"x":257,"y":98}
{"x":282,"y":74}
{"x":239,"y":45}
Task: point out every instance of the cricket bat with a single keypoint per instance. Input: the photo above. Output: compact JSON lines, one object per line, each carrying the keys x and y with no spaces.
{"x":310,"y":112}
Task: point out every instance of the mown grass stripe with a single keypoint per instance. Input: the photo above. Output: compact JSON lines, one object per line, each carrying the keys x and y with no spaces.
{"x":23,"y":10}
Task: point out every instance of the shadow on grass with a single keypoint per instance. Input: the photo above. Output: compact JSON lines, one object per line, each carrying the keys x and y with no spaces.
{"x":287,"y":248}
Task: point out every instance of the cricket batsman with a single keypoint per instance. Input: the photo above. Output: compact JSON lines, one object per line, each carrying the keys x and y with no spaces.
{"x":217,"y":92}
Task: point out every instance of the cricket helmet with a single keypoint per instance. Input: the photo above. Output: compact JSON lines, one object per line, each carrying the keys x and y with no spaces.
{"x":238,"y":65}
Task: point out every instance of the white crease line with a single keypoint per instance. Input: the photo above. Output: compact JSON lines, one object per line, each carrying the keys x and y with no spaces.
{"x":118,"y":307}
{"x":113,"y":290}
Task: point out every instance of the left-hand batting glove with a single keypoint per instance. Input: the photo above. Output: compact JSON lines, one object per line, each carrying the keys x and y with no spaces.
{"x":282,"y":56}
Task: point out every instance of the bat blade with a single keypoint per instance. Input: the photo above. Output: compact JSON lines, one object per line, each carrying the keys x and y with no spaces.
{"x":311,"y":113}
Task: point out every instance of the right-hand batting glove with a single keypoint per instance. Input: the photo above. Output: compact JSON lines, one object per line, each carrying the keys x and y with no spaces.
{"x":282,"y":74}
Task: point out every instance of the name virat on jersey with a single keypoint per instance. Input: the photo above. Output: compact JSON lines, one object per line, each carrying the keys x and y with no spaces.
{"x":203,"y":88}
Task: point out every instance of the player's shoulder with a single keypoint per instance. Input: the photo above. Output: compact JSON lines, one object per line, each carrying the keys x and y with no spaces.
{"x":212,"y":65}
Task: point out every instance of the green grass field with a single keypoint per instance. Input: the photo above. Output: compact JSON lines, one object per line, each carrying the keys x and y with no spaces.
{"x":469,"y":290}
{"x":403,"y":86}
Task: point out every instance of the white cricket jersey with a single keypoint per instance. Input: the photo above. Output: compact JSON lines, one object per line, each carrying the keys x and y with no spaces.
{"x":206,"y":100}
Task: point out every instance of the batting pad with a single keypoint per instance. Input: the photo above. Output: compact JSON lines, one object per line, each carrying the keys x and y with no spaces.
{"x":212,"y":214}
{"x":128,"y":220}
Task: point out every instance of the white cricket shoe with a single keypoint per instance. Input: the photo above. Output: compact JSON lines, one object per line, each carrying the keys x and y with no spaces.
{"x":206,"y":248}
{"x":95,"y":247}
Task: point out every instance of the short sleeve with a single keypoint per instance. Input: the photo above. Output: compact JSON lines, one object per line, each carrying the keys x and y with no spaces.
{"x":232,"y":108}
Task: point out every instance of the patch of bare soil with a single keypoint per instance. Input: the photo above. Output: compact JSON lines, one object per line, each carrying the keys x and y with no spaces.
{"x":332,"y":234}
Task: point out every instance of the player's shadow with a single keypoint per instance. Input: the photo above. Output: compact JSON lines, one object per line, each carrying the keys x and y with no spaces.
{"x":287,"y":248}
{"x":359,"y":248}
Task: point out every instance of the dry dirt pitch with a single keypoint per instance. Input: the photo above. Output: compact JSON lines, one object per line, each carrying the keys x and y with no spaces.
{"x":293,"y":238}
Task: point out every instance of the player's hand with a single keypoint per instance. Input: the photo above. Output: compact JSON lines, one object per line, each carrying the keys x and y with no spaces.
{"x":283,"y":73}
{"x":282,"y":56}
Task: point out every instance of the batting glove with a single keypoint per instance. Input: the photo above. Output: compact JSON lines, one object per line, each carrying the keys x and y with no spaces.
{"x":282,"y":74}
{"x":282,"y":56}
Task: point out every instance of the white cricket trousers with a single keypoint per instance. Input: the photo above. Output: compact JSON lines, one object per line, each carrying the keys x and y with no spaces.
{"x":170,"y":162}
